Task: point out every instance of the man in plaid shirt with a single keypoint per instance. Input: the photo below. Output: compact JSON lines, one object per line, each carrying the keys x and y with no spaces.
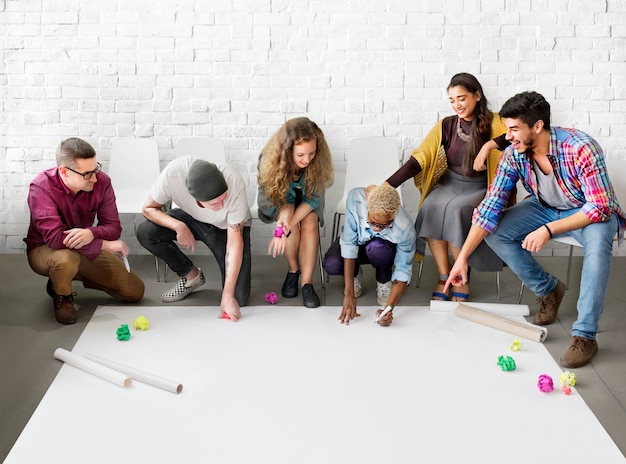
{"x":565,"y":173}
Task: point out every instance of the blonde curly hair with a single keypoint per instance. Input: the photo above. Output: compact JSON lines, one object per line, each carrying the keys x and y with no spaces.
{"x":383,"y":200}
{"x":276,"y":167}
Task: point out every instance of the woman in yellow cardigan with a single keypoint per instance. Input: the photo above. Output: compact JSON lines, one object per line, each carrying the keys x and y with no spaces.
{"x":443,"y":171}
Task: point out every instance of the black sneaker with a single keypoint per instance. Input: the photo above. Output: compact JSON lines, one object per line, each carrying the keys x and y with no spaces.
{"x":309,"y":297}
{"x":290,"y":287}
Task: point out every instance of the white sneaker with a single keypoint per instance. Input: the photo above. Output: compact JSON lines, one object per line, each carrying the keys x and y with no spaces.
{"x":382,"y":292}
{"x":358,"y":288}
{"x":183,"y":288}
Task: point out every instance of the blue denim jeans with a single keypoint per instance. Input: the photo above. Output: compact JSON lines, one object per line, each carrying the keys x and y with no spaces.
{"x":596,"y":239}
{"x":161,"y":242}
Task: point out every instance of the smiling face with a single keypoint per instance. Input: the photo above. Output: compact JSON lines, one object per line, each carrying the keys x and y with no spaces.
{"x":463,"y":102}
{"x":303,"y":153}
{"x":521,"y":135}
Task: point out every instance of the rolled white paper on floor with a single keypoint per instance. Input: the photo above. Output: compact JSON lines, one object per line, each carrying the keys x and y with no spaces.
{"x":138,"y":375}
{"x":94,"y":368}
{"x":493,"y":308}
{"x":521,"y":329}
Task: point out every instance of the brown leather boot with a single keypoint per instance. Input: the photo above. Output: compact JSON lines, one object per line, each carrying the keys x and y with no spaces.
{"x":64,"y":309}
{"x":579,"y":353}
{"x":549,"y":305}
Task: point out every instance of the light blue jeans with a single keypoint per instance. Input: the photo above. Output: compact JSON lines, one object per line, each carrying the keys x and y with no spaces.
{"x":597,"y":242}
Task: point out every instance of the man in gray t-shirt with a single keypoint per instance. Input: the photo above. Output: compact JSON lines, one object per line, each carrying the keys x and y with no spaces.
{"x":209,"y":204}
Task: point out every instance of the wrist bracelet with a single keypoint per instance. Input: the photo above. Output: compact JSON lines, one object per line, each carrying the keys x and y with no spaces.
{"x":548,"y":229}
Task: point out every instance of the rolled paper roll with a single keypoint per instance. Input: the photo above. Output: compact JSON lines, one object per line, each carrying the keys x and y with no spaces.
{"x":138,"y":375}
{"x":94,"y":368}
{"x":494,"y":308}
{"x":520,"y":329}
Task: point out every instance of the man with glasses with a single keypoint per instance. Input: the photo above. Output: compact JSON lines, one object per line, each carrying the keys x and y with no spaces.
{"x":75,"y":229}
{"x":378,"y":231}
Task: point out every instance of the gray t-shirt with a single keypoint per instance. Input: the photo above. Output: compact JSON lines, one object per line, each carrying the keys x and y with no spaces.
{"x":549,"y":190}
{"x":171,"y":186}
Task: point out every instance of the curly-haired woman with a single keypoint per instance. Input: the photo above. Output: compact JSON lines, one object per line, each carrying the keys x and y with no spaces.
{"x":294,"y":170}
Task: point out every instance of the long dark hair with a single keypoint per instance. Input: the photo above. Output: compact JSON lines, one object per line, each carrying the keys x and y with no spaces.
{"x":481,"y":122}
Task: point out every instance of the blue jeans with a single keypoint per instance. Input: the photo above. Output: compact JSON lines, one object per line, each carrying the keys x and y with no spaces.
{"x":160,"y":241}
{"x":596,"y":239}
{"x":377,"y":252}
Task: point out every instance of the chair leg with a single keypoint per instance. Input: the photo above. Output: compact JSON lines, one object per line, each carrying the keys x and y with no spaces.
{"x":498,"y":286}
{"x":521,"y":290}
{"x":156,"y":266}
{"x":419,"y":274}
{"x":569,"y":265}
{"x":322,"y":273}
{"x":320,"y":258}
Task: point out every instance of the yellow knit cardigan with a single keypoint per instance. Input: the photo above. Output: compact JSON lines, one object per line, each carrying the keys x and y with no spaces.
{"x":432,"y":157}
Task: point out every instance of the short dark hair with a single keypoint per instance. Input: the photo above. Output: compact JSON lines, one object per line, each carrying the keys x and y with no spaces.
{"x":73,"y":148}
{"x":530,"y":107}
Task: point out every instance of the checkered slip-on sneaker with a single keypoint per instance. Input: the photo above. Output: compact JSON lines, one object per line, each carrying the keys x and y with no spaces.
{"x":183,"y":288}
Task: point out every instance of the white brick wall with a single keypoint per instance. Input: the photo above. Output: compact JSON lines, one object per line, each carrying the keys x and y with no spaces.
{"x":236,"y":69}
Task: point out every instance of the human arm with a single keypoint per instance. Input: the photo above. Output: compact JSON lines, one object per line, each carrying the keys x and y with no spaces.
{"x":278,"y":243}
{"x":348,"y":310}
{"x":397,"y":290}
{"x":409,"y":169}
{"x":458,"y":273}
{"x":153,"y":212}
{"x":537,"y":239}
{"x":234,"y":256}
{"x":88,"y":217}
{"x":480,"y":162}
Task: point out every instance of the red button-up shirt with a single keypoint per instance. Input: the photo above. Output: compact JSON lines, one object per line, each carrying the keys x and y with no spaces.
{"x":54,"y":209}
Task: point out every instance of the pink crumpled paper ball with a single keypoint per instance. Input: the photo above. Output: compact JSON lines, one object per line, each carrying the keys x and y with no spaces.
{"x":271,"y":297}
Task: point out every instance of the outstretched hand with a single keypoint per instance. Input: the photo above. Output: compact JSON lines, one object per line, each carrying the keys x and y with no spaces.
{"x":457,"y":276}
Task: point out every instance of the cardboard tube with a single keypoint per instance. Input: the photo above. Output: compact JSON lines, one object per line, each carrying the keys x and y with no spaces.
{"x":520,"y":329}
{"x":138,"y":375}
{"x":93,"y":368}
{"x":494,"y":308}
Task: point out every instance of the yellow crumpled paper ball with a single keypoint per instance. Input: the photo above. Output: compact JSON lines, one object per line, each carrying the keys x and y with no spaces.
{"x":141,"y":323}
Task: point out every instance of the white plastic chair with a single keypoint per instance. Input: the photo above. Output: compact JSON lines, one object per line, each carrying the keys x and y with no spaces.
{"x":134,"y":168}
{"x":369,"y":160}
{"x":617,"y":174}
{"x":208,"y":148}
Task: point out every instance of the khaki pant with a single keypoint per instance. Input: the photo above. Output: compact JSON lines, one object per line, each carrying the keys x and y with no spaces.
{"x":106,"y":272}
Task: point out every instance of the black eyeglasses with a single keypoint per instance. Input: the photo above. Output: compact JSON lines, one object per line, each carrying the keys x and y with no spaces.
{"x":378,"y":225}
{"x":86,"y":175}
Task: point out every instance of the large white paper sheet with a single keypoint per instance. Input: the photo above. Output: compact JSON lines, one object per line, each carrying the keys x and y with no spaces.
{"x":292,"y":385}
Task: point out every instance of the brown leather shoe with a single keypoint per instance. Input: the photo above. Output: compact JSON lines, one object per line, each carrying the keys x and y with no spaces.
{"x":579,"y":353}
{"x":549,"y":305}
{"x":64,"y":309}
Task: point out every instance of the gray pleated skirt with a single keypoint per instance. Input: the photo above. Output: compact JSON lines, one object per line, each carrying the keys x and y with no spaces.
{"x":446,"y":214}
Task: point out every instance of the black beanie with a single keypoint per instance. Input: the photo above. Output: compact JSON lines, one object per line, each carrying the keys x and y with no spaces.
{"x":205,"y":181}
